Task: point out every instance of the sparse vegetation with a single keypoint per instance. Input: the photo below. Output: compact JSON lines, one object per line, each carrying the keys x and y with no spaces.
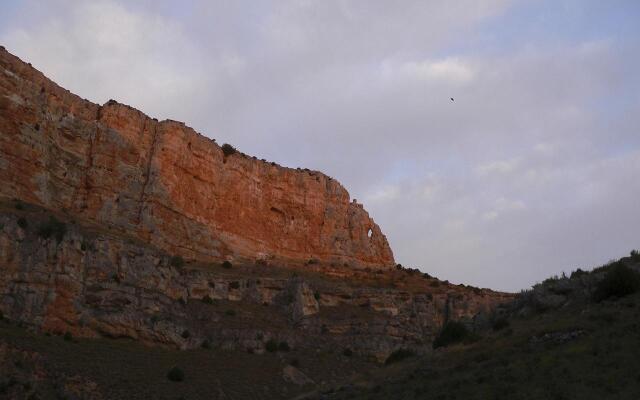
{"x":227,"y":264}
{"x":230,"y":313}
{"x":175,"y":374}
{"x":186,"y":334}
{"x":68,"y":337}
{"x":22,"y":223}
{"x":234,"y":285}
{"x":207,"y":300}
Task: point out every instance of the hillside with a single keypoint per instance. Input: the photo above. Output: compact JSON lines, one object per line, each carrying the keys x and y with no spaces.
{"x":568,"y":338}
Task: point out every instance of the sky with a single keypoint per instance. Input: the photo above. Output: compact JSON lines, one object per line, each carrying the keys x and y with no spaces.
{"x":532,"y":170}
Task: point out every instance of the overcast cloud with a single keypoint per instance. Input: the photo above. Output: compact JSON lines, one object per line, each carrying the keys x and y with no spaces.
{"x":532,"y":170}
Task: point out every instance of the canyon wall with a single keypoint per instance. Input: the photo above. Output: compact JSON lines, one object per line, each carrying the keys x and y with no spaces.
{"x":169,"y":186}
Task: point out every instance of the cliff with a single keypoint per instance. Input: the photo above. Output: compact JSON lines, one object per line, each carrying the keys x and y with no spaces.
{"x":169,"y":186}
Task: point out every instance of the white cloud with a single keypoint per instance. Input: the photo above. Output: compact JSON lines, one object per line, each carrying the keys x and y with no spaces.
{"x":448,"y":71}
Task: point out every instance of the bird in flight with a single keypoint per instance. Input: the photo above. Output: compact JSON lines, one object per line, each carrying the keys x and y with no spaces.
{"x":452,"y":99}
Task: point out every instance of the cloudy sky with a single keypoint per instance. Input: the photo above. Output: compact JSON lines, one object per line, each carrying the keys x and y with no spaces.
{"x":534,"y":169}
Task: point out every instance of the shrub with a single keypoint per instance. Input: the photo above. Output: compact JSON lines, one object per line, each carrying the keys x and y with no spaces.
{"x":186,"y":334}
{"x":54,"y":228}
{"x":205,"y":344}
{"x":635,"y":255}
{"x":230,"y":313}
{"x":177,"y":261}
{"x":294,"y":363}
{"x":316,"y":295}
{"x":452,"y":332}
{"x":234,"y":285}
{"x":207,"y":300}
{"x":228,"y":149}
{"x":500,"y":323}
{"x":578,"y":273}
{"x":19,"y":206}
{"x":175,"y":374}
{"x":227,"y":265}
{"x":283,"y":346}
{"x":347,"y":352}
{"x":619,"y":281}
{"x":271,"y":346}
{"x":399,"y":355}
{"x":68,"y":337}
{"x":22,"y":223}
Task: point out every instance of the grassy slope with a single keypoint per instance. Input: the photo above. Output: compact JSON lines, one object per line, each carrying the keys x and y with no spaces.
{"x":520,"y":362}
{"x":124,"y":369}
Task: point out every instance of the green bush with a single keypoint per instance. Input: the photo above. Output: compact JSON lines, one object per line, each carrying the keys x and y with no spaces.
{"x":68,"y":337}
{"x":271,"y":346}
{"x":234,"y":285}
{"x":399,"y":355}
{"x":452,"y":332}
{"x":177,"y":261}
{"x":635,"y":255}
{"x":618,"y":281}
{"x":207,"y":300}
{"x":227,"y":265}
{"x":186,"y":334}
{"x":228,"y":149}
{"x":22,"y":223}
{"x":283,"y":346}
{"x":54,"y":228}
{"x":175,"y":374}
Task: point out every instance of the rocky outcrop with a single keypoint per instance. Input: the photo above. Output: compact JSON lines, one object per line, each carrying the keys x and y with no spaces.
{"x":167,"y":185}
{"x":89,"y":281}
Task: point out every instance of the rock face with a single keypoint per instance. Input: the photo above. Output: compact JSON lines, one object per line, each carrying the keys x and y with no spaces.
{"x":86,"y":280}
{"x":169,"y":186}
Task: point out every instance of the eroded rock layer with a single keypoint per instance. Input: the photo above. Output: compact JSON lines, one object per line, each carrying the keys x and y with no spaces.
{"x":169,"y":186}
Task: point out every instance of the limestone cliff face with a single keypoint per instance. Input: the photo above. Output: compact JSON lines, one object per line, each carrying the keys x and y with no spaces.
{"x":169,"y":186}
